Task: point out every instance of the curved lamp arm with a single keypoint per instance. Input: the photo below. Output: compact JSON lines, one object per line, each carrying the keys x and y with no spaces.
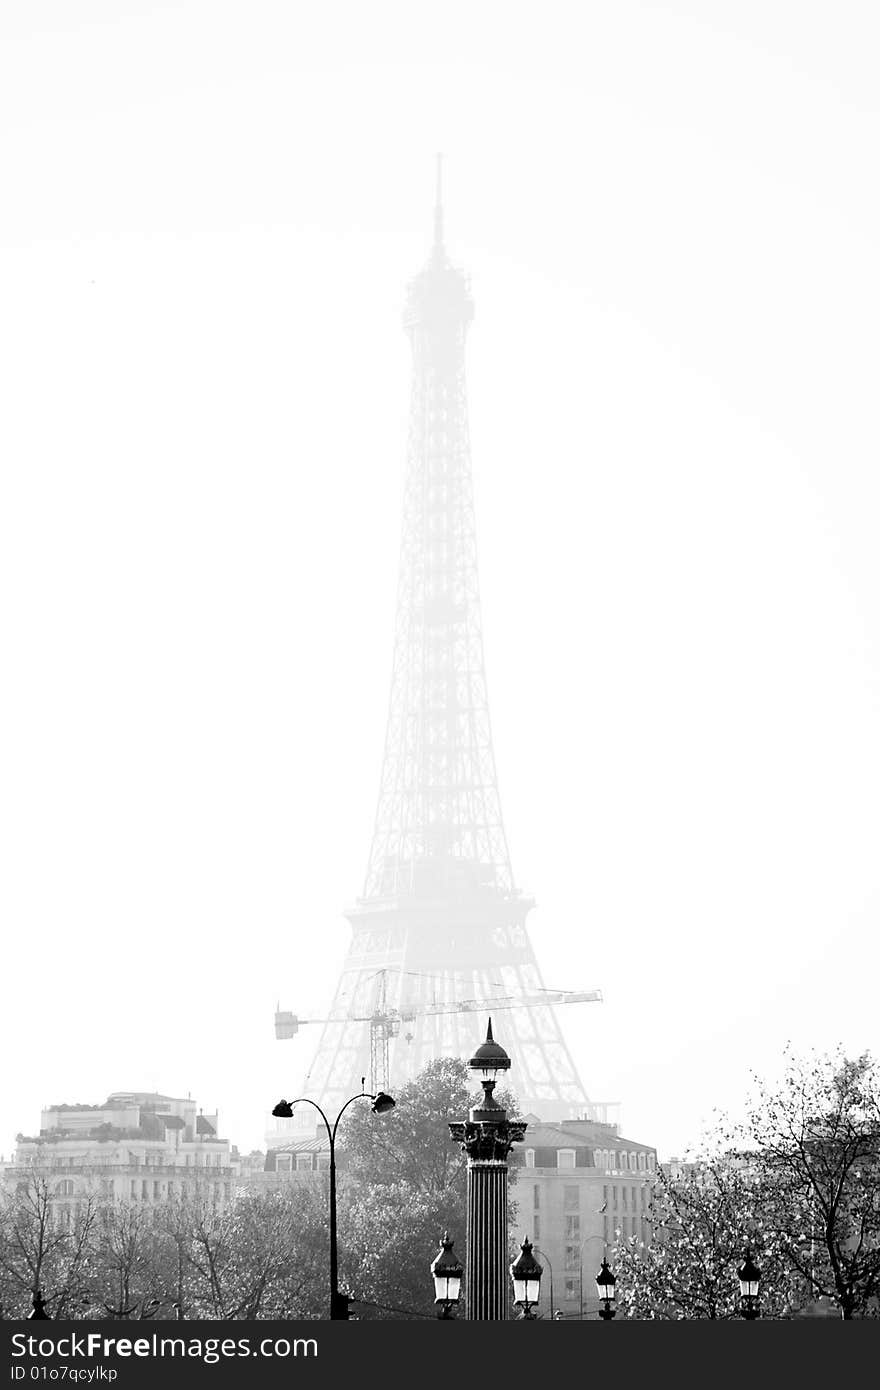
{"x":360,"y":1096}
{"x":331,"y":1132}
{"x":304,"y":1100}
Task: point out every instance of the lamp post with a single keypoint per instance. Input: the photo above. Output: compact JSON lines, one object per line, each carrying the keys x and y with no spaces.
{"x":540,"y":1253}
{"x":284,"y":1111}
{"x":584,"y":1242}
{"x":605,"y":1282}
{"x":526,"y":1275}
{"x":487,"y":1137}
{"x":749,"y":1277}
{"x":447,"y":1272}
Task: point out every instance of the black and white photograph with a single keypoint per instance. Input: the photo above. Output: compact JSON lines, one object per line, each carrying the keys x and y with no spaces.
{"x":440,"y":677}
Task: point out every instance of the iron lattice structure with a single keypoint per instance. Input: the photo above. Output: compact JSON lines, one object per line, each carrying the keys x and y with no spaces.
{"x":440,"y":921}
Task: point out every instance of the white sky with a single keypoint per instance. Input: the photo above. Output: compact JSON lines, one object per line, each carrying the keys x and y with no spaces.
{"x":671,"y":217}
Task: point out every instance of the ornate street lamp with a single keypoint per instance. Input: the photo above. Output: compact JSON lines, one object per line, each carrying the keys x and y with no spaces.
{"x":284,"y":1111}
{"x":526,"y":1275}
{"x":447,"y":1271}
{"x":749,"y":1277}
{"x":605,"y":1282}
{"x":487,"y":1137}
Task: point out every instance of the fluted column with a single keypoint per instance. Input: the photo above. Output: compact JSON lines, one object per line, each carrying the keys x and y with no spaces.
{"x":487,"y":1143}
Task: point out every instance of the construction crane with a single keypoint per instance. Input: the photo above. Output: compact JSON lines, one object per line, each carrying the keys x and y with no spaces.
{"x":385,"y":1023}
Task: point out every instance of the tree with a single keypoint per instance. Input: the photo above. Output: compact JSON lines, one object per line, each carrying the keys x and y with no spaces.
{"x":817,"y":1137}
{"x":259,"y":1258}
{"x":38,"y":1251}
{"x":123,"y":1270}
{"x":403,"y":1184}
{"x":701,"y":1223}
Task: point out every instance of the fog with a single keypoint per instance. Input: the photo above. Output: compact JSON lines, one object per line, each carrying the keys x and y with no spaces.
{"x":670,"y":220}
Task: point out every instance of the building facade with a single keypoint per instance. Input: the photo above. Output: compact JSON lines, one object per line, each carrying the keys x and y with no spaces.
{"x":581,"y":1189}
{"x":137,"y":1147}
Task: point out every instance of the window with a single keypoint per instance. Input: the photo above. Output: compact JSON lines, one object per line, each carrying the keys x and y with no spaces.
{"x":614,"y":1190}
{"x":605,"y":1194}
{"x":632,"y":1163}
{"x":537,"y":1228}
{"x":634,"y":1198}
{"x":571,"y":1198}
{"x":530,"y":1158}
{"x":612,"y":1159}
{"x":623,"y":1197}
{"x":641,"y":1163}
{"x":64,"y":1188}
{"x":644,"y":1198}
{"x":572,"y":1228}
{"x":572,"y":1290}
{"x":650,"y":1163}
{"x":536,"y":1193}
{"x":304,"y":1163}
{"x":323,"y":1162}
{"x":565,"y":1158}
{"x":282,"y":1163}
{"x":155,"y":1190}
{"x":623,"y":1161}
{"x":572,"y":1256}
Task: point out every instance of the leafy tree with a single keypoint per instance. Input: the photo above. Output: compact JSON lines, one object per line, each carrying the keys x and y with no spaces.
{"x":817,"y":1137}
{"x":701,"y":1223}
{"x":403,"y":1183}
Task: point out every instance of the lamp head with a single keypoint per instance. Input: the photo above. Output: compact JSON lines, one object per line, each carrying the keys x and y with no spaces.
{"x":489,"y":1062}
{"x":605,"y":1282}
{"x":490,"y":1059}
{"x":749,"y":1276}
{"x":283,"y":1110}
{"x":447,"y":1271}
{"x":526,"y":1275}
{"x":382,"y":1103}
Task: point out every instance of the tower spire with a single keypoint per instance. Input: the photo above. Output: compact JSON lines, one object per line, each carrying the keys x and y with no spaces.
{"x":438,"y":209}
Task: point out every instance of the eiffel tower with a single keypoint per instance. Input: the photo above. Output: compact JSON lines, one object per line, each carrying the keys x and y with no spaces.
{"x":439,"y":933}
